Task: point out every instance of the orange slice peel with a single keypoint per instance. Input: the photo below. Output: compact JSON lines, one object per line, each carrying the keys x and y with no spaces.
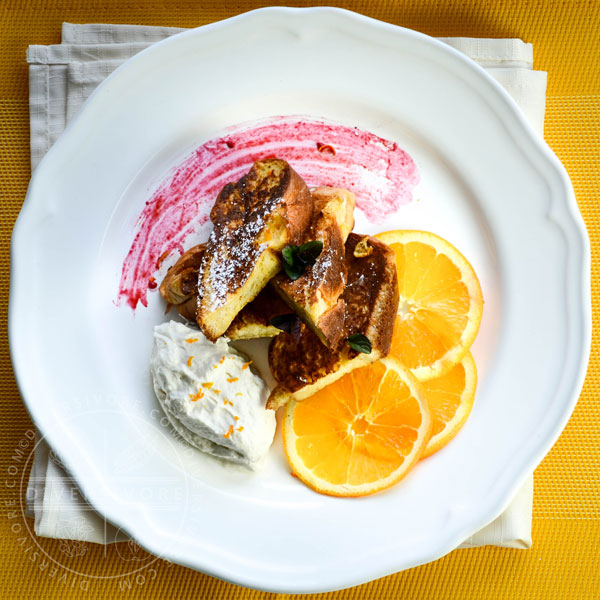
{"x":440,"y":306}
{"x":449,"y":400}
{"x":358,"y":435}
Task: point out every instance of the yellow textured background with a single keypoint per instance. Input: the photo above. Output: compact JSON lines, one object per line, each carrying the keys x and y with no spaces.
{"x":564,"y":561}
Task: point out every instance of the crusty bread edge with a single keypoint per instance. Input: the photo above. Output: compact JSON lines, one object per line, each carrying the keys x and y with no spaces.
{"x":385,"y":308}
{"x":301,"y":311}
{"x":266,"y":267}
{"x":251,"y":331}
{"x":281,"y":396}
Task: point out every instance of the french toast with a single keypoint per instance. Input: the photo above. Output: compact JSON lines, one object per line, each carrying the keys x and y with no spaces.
{"x":302,"y":365}
{"x":181,"y":281}
{"x":315,"y":295}
{"x":337,"y":202}
{"x":267,"y":209}
{"x":253,"y":321}
{"x":180,"y":289}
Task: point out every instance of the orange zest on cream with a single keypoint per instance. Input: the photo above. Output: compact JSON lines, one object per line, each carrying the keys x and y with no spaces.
{"x":197,"y":396}
{"x":186,"y":387}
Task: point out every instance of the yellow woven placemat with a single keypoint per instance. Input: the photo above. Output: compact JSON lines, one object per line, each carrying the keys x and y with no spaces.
{"x":564,"y":561}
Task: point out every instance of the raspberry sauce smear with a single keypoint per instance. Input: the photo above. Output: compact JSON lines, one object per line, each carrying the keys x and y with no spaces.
{"x":378,"y":171}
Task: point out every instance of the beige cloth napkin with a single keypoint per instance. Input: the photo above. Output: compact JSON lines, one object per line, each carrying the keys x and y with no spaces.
{"x":61,"y":77}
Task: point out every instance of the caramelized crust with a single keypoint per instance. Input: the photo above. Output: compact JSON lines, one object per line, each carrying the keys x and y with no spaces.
{"x":181,"y":281}
{"x":189,"y":308}
{"x":371,"y":294}
{"x":254,"y":219}
{"x":299,"y":359}
{"x":315,"y":296}
{"x":301,"y":365}
{"x":338,"y":202}
{"x":180,"y":288}
{"x":253,"y":320}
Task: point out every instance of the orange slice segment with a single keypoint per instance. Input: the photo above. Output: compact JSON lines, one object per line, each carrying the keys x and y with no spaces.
{"x":449,"y":400}
{"x":440,"y":303}
{"x":358,"y":435}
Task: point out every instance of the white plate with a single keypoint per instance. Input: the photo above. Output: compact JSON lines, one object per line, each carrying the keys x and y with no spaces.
{"x":489,"y":185}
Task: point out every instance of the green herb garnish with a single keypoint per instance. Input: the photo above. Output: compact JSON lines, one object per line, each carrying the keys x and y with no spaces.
{"x":297,"y":258}
{"x":284,"y":322}
{"x":360,"y":343}
{"x":309,"y":252}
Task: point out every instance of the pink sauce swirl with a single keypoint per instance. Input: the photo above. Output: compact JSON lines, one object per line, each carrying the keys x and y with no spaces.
{"x":380,"y":173}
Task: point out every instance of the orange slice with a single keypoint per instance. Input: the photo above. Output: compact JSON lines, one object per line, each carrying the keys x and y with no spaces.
{"x":440,"y":303}
{"x":449,"y":400}
{"x":359,"y":435}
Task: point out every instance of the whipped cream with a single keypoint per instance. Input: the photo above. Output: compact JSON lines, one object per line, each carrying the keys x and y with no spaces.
{"x":211,"y":395}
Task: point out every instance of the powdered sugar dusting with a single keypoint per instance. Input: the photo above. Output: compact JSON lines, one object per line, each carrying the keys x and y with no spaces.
{"x":236,"y":256}
{"x":381,"y":175}
{"x":322,"y":265}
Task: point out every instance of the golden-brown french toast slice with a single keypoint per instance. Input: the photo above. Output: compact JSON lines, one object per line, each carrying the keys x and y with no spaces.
{"x":302,"y":365}
{"x":267,"y":209}
{"x":337,"y":202}
{"x":254,"y":320}
{"x":180,"y":288}
{"x":315,"y":295}
{"x":181,"y":281}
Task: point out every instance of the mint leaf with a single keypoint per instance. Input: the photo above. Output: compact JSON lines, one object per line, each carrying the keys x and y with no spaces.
{"x":360,"y":343}
{"x":289,"y":254}
{"x":297,"y":258}
{"x":309,"y":252}
{"x":293,"y":271}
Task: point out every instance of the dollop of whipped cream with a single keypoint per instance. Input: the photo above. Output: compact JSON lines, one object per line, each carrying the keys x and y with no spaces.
{"x":211,"y":395}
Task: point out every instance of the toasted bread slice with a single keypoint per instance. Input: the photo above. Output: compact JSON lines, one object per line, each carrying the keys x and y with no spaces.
{"x":189,"y":308}
{"x":337,"y":202}
{"x":315,"y":295}
{"x":254,"y":219}
{"x":253,"y":321}
{"x":180,"y":288}
{"x":301,"y":365}
{"x":181,"y":281}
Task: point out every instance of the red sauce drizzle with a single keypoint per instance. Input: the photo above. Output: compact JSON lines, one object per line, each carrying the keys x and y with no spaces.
{"x":380,"y":173}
